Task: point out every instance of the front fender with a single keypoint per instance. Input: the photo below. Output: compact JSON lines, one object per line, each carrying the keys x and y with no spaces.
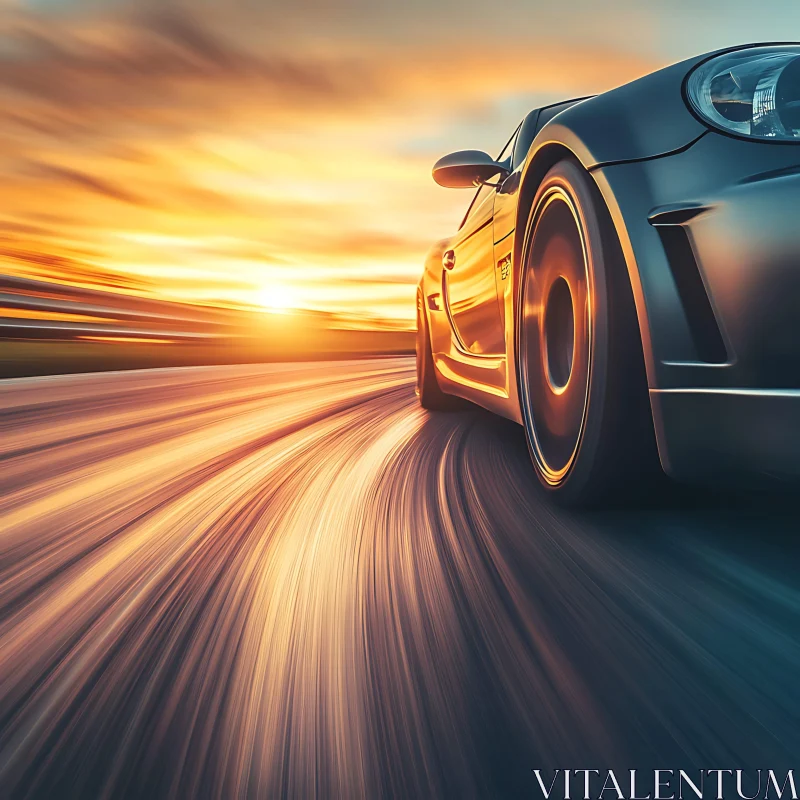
{"x":641,"y":120}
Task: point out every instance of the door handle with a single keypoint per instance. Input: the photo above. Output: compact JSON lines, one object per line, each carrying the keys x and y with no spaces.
{"x":449,"y":259}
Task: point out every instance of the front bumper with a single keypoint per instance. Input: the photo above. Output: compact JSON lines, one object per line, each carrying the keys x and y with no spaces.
{"x":747,"y":437}
{"x":711,"y":236}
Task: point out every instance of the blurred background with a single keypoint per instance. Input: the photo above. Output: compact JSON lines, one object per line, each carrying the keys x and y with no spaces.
{"x":214,"y":182}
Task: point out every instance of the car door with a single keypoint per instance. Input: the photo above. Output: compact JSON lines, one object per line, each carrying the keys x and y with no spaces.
{"x":469,"y":282}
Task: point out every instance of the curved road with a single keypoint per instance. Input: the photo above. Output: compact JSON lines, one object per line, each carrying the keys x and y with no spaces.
{"x":255,"y":581}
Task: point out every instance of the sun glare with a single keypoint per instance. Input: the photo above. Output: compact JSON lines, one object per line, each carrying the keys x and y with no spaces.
{"x":276,"y":298}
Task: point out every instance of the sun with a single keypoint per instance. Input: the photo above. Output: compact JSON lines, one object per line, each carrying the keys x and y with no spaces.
{"x":276,"y":298}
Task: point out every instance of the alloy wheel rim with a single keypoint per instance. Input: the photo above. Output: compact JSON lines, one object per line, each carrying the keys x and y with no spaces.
{"x":556,"y":334}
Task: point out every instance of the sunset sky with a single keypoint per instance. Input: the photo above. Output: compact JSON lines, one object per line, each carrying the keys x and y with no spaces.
{"x":279,"y":154}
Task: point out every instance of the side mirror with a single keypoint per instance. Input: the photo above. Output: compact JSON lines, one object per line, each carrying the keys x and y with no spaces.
{"x":466,"y":169}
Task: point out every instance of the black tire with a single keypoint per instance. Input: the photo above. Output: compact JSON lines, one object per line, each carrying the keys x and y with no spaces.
{"x":580,"y":367}
{"x":428,"y":391}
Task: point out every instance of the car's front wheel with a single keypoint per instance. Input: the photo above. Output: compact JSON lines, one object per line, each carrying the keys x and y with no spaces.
{"x":582,"y":382}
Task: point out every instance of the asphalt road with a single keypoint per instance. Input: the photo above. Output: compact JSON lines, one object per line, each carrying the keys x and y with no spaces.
{"x":255,"y":581}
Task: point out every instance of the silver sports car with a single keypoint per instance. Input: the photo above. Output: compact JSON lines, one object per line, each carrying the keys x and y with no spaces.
{"x":626,"y":280}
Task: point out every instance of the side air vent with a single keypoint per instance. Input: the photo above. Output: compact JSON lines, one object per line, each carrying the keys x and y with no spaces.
{"x":694,"y":298}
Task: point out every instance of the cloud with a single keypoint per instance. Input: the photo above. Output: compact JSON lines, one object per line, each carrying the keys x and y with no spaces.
{"x":64,"y":175}
{"x":154,"y":66}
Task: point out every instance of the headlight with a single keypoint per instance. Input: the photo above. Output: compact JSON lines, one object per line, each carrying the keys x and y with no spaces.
{"x":753,"y":92}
